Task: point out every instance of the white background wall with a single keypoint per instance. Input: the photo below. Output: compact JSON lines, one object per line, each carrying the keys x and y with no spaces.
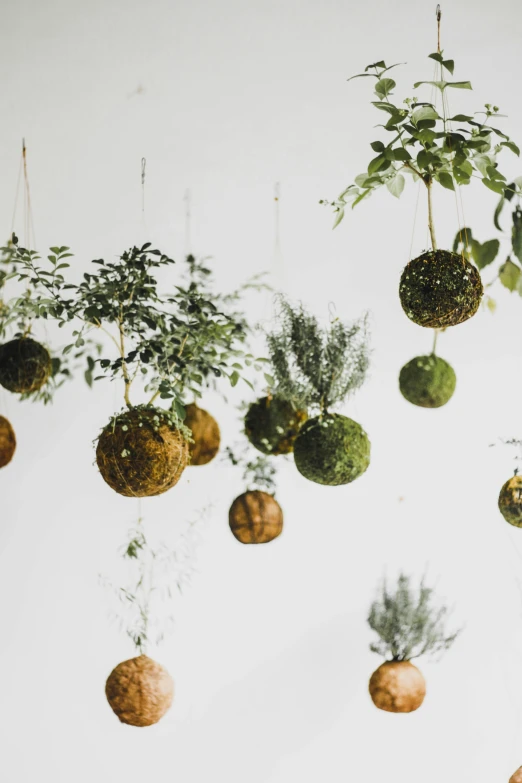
{"x":270,"y":652}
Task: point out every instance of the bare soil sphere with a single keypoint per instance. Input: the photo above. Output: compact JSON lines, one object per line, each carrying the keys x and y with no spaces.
{"x":25,"y":365}
{"x":255,"y":518}
{"x":397,"y":686}
{"x":7,"y":442}
{"x":141,"y":453}
{"x":140,"y":691}
{"x":440,"y":289}
{"x":510,"y":501}
{"x":517,"y":776}
{"x":205,"y":433}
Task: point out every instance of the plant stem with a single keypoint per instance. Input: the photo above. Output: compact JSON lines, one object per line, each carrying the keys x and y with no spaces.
{"x":126,"y":377}
{"x":428,"y":183}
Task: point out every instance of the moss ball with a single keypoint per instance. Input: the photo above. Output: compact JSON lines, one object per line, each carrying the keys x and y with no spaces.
{"x":272,"y":425}
{"x":332,"y":450}
{"x":25,"y":365}
{"x":397,"y":686}
{"x":510,"y":501}
{"x":255,"y":517}
{"x":141,"y":452}
{"x":205,"y":434}
{"x":440,"y":289}
{"x":427,"y":381}
{"x":140,"y":691}
{"x":7,"y":442}
{"x":516,"y":777}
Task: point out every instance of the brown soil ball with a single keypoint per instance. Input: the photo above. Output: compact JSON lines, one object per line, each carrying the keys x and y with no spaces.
{"x":440,"y":289}
{"x":25,"y":365}
{"x":517,"y":776}
{"x":140,"y":691}
{"x":141,"y":452}
{"x":255,"y":518}
{"x":510,"y":501}
{"x":7,"y":442}
{"x":206,"y":435}
{"x":397,"y":686}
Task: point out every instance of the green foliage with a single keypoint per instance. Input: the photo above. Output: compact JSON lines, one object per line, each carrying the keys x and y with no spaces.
{"x":258,"y":472}
{"x":407,"y":622}
{"x":426,"y":143}
{"x":315,"y":367}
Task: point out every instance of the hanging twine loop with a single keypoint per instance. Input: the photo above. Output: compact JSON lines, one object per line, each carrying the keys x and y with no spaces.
{"x":438,"y":14}
{"x":187,"y":198}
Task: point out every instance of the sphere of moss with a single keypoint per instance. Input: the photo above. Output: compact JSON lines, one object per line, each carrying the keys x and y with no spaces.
{"x":205,"y":434}
{"x":427,"y":381}
{"x":516,"y":777}
{"x":397,"y":686}
{"x":25,"y":365}
{"x":510,"y":501}
{"x":255,"y":517}
{"x":140,"y":691}
{"x":7,"y":442}
{"x":332,"y":450}
{"x":141,"y":452}
{"x":272,"y":425}
{"x":440,"y":289}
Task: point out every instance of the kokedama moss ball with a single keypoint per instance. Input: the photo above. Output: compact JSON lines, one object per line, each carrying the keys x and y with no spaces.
{"x":255,"y":517}
{"x":7,"y":442}
{"x":141,"y":452}
{"x":516,"y":777}
{"x":397,"y":686}
{"x":25,"y":365}
{"x":140,"y":691}
{"x":427,"y":381}
{"x":272,"y":425}
{"x":332,"y":450}
{"x":510,"y":501}
{"x":205,"y":433}
{"x":440,"y":289}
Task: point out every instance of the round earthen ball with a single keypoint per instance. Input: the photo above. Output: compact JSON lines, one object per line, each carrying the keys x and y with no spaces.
{"x":139,"y":691}
{"x":272,"y":425}
{"x":397,"y":686}
{"x":205,"y":433}
{"x":140,"y":453}
{"x":440,"y":289}
{"x":255,"y":517}
{"x":510,"y":501}
{"x":332,"y":450}
{"x":427,"y":381}
{"x":25,"y":365}
{"x":516,"y":777}
{"x":7,"y":442}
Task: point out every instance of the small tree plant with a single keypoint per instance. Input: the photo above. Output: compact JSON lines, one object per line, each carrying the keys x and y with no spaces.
{"x":317,"y":369}
{"x":408,"y":625}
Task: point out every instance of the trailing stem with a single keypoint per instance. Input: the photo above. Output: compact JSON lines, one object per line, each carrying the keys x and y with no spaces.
{"x":428,"y":183}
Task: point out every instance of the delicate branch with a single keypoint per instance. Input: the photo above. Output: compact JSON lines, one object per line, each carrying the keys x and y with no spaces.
{"x":431,"y":226}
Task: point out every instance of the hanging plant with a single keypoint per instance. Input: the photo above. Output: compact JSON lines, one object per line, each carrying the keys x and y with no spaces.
{"x":205,"y":434}
{"x":139,"y":690}
{"x":435,"y":146}
{"x":427,"y":381}
{"x":408,"y":626}
{"x":510,"y":497}
{"x":7,"y":442}
{"x":317,"y":369}
{"x":255,"y":517}
{"x":272,"y":424}
{"x":178,"y":344}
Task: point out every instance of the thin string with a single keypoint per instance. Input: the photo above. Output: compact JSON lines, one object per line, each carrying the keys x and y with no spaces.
{"x":28,"y":212}
{"x":20,"y":169}
{"x":143,"y":218}
{"x":187,"y":198}
{"x":277,"y":220}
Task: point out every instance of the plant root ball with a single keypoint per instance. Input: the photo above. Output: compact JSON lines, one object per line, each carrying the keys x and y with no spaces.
{"x":510,"y":501}
{"x":332,"y":450}
{"x":140,"y":691}
{"x":141,"y":453}
{"x":517,"y":776}
{"x":7,"y":442}
{"x":25,"y":365}
{"x":440,"y":289}
{"x":397,"y":686}
{"x":255,"y":517}
{"x":427,"y":381}
{"x":205,"y":433}
{"x":272,"y":425}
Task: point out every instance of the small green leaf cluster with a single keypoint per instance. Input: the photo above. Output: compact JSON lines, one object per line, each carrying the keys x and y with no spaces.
{"x":427,"y":144}
{"x":317,"y":367}
{"x":258,"y":473}
{"x":407,"y":622}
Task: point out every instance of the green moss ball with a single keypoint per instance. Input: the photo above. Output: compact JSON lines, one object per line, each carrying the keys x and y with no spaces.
{"x":510,"y":501}
{"x":427,"y":381}
{"x":332,"y":450}
{"x":272,"y":425}
{"x":25,"y":365}
{"x":440,"y":289}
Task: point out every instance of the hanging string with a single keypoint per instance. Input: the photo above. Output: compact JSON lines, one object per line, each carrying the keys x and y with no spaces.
{"x":187,"y":198}
{"x":143,"y":219}
{"x":277,"y":220}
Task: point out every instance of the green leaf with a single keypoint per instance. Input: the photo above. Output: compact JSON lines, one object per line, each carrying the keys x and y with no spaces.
{"x":445,"y":179}
{"x":376,"y":164}
{"x":509,"y":275}
{"x":425,"y":113}
{"x":396,"y":185}
{"x":449,"y":65}
{"x":498,"y":211}
{"x":516,"y":234}
{"x":387,"y":107}
{"x":339,"y":218}
{"x":494,"y":185}
{"x":484,"y":254}
{"x":377,"y":146}
{"x":269,"y":379}
{"x":384,"y":87}
{"x":401,"y":154}
{"x":234,"y":378}
{"x":442,"y":85}
{"x":464,"y":237}
{"x":511,"y":146}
